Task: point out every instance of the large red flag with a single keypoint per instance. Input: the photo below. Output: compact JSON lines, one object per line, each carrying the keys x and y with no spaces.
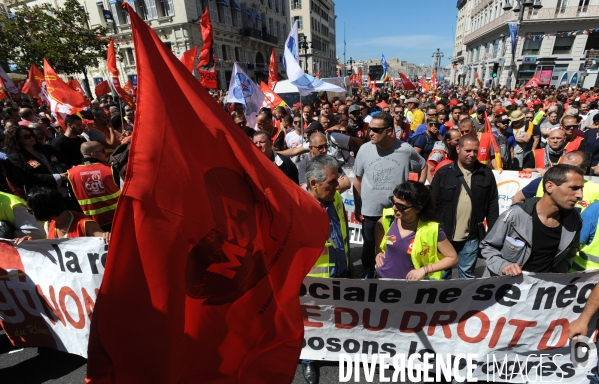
{"x":129,"y":88}
{"x":271,"y":99}
{"x":273,"y":70}
{"x":63,"y":99}
{"x":533,"y":83}
{"x":189,"y":58}
{"x":113,"y":74}
{"x":201,"y":281}
{"x":74,"y":84}
{"x":207,"y":65}
{"x":102,"y":89}
{"x":407,"y":84}
{"x":496,"y":150}
{"x":33,"y":86}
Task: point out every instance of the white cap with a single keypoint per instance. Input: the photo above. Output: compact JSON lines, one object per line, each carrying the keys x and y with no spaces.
{"x":402,"y":97}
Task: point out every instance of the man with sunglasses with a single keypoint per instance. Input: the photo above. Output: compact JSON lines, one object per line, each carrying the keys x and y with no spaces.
{"x":95,"y":185}
{"x":318,"y":146}
{"x":574,"y":137}
{"x":242,"y":123}
{"x":381,"y":164}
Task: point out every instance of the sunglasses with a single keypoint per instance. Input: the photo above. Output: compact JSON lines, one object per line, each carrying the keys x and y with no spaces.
{"x":398,"y":112}
{"x":297,"y":121}
{"x":320,"y":147}
{"x":568,"y":127}
{"x":26,"y":137}
{"x":378,"y":130}
{"x":400,"y":207}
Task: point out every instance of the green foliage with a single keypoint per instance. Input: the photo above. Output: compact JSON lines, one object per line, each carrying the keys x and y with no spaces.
{"x":61,"y":35}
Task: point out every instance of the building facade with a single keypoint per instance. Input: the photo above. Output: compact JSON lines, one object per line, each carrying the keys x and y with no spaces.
{"x":317,"y":27}
{"x":245,"y":31}
{"x":458,"y":47}
{"x":554,"y":43}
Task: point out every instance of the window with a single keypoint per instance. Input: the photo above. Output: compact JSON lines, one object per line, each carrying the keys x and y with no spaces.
{"x":130,"y":56}
{"x":237,"y":19}
{"x":237,"y":56}
{"x":167,"y":8}
{"x":296,"y":4}
{"x":561,"y":4}
{"x":224,"y":52}
{"x":275,"y":31}
{"x":227,"y":14}
{"x":495,"y":48}
{"x":300,"y":21}
{"x":563,"y":43}
{"x":148,"y":9}
{"x":115,"y":13}
{"x":532,"y":43}
{"x":592,"y":42}
{"x":213,"y":11}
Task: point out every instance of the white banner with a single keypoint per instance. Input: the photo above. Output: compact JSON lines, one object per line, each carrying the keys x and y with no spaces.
{"x":48,"y":289}
{"x":521,"y":322}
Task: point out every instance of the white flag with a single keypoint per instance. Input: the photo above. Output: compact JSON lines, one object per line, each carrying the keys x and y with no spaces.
{"x":243,"y":90}
{"x":305,"y":83}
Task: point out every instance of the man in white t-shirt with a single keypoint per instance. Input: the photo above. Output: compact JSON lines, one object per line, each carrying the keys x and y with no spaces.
{"x":294,"y":138}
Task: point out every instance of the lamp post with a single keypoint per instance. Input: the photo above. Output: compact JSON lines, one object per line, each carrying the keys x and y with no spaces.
{"x":519,"y":9}
{"x":437,"y":59}
{"x":351,"y":69}
{"x":305,"y":45}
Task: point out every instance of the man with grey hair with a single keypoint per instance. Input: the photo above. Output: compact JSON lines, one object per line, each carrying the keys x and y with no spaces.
{"x":322,"y":179}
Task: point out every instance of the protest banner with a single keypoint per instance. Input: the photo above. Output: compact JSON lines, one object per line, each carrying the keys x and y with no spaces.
{"x":513,"y":320}
{"x":48,"y":289}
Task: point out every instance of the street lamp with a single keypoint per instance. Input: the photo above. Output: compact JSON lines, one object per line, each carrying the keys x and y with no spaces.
{"x":518,"y":8}
{"x":351,"y":69}
{"x":305,"y":45}
{"x":437,"y":59}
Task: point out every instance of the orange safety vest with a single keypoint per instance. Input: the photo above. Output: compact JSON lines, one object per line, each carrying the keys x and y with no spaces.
{"x":573,"y":144}
{"x":484,"y":150}
{"x":95,"y":190}
{"x":278,"y":131}
{"x":76,"y":228}
{"x":107,"y":148}
{"x":539,"y":155}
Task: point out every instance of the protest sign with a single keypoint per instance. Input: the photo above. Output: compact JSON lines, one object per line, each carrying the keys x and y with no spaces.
{"x":513,"y":320}
{"x":48,"y":289}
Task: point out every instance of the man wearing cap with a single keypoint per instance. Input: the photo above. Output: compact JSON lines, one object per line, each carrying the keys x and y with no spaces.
{"x":356,"y":123}
{"x":505,"y":140}
{"x":523,"y":136}
{"x":479,"y":119}
{"x":538,"y":111}
{"x":367,"y":108}
{"x":413,"y":113}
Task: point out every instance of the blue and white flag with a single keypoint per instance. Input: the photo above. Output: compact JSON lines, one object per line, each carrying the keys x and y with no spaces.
{"x":243,"y":90}
{"x":305,"y":83}
{"x":384,"y":64}
{"x":513,"y":26}
{"x":235,"y":6}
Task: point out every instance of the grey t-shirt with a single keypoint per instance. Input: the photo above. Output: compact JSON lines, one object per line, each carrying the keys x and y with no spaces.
{"x":382,"y":171}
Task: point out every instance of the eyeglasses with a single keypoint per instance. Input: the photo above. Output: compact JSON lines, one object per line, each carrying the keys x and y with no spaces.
{"x":400,"y":207}
{"x":378,"y":130}
{"x":320,"y":147}
{"x":398,"y":112}
{"x":530,"y":117}
{"x":296,"y":121}
{"x":568,"y":127}
{"x":26,"y":136}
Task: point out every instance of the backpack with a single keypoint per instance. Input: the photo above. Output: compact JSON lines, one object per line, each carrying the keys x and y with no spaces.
{"x":504,"y":150}
{"x":120,"y":156}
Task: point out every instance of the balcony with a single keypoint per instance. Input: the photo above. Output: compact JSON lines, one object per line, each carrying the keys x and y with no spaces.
{"x":480,"y":7}
{"x":258,"y":35}
{"x":493,"y":24}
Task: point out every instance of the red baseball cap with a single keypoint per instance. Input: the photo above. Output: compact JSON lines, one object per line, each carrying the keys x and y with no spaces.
{"x":453,"y":102}
{"x":537,"y":102}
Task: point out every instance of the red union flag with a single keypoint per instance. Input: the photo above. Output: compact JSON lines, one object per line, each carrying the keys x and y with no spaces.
{"x":271,"y":99}
{"x":189,"y":58}
{"x":202,"y":282}
{"x":34,"y":86}
{"x":129,"y":88}
{"x":406,"y":83}
{"x":102,"y":88}
{"x":207,"y":65}
{"x":533,"y":83}
{"x":113,"y":74}
{"x":63,"y":99}
{"x":74,"y":84}
{"x":273,"y":71}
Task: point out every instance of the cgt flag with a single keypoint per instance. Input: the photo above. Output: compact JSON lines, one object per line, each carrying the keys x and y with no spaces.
{"x":189,"y":58}
{"x":63,"y":99}
{"x":273,"y":71}
{"x":202,"y":281}
{"x":271,"y":99}
{"x":74,"y":84}
{"x":34,"y":85}
{"x":207,"y":65}
{"x":406,"y":83}
{"x":113,"y":74}
{"x":102,"y":89}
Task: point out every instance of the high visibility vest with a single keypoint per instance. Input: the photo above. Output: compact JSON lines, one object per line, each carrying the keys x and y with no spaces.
{"x":8,"y":203}
{"x":484,"y":150}
{"x":278,"y":131}
{"x":539,"y":155}
{"x":573,"y":145}
{"x":590,"y":194}
{"x":588,"y":257}
{"x":107,"y":148}
{"x":76,"y":228}
{"x":95,"y":190}
{"x":424,"y":250}
{"x":323,"y":265}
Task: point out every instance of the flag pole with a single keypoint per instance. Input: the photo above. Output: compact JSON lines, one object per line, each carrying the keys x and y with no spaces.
{"x":301,"y":118}
{"x":10,"y":98}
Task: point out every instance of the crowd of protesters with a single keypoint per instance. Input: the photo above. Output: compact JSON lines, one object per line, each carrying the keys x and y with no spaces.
{"x":423,"y":183}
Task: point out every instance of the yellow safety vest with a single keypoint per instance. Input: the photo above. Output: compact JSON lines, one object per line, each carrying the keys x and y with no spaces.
{"x":7,"y":205}
{"x":424,"y":250}
{"x":588,"y":257}
{"x":323,"y":265}
{"x":590,"y":193}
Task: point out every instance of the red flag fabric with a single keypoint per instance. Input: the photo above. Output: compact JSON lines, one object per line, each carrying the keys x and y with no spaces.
{"x":496,"y":150}
{"x":271,"y":99}
{"x":533,"y":83}
{"x":478,"y":80}
{"x":33,"y":86}
{"x":63,"y":99}
{"x":113,"y":74}
{"x":74,"y":84}
{"x":425,"y":86}
{"x":189,"y":58}
{"x":2,"y":94}
{"x":207,"y":65}
{"x":273,"y":70}
{"x":102,"y":88}
{"x":129,"y":88}
{"x":318,"y":74}
{"x":433,"y":79}
{"x":202,"y":282}
{"x":407,"y":84}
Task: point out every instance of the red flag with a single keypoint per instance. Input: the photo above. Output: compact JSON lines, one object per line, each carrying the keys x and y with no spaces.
{"x":129,"y":88}
{"x":425,"y":86}
{"x":273,"y":71}
{"x":74,"y":84}
{"x":207,"y":66}
{"x":317,"y":74}
{"x":33,"y":86}
{"x":271,"y":99}
{"x":189,"y":58}
{"x":407,"y":84}
{"x":102,"y":88}
{"x":113,"y":74}
{"x":63,"y":100}
{"x":434,"y":79}
{"x":2,"y":94}
{"x":533,"y":83}
{"x":478,"y":80}
{"x":498,"y":160}
{"x":202,"y":282}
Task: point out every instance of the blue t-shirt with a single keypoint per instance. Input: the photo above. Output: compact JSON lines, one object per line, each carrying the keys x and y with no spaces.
{"x":422,"y":129}
{"x":589,"y":223}
{"x":531,"y":189}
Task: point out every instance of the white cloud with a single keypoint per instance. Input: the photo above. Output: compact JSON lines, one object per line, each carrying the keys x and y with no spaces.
{"x":416,"y":42}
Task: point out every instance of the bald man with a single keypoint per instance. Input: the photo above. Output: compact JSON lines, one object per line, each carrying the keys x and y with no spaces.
{"x":95,"y":185}
{"x":264,"y":123}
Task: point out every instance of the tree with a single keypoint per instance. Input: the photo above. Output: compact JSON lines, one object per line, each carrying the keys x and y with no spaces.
{"x":60,"y":34}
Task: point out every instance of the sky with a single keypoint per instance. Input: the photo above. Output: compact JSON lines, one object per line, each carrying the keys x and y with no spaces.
{"x":409,"y":30}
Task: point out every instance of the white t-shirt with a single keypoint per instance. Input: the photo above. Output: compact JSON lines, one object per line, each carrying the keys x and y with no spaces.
{"x":367,"y":119}
{"x":293,"y":140}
